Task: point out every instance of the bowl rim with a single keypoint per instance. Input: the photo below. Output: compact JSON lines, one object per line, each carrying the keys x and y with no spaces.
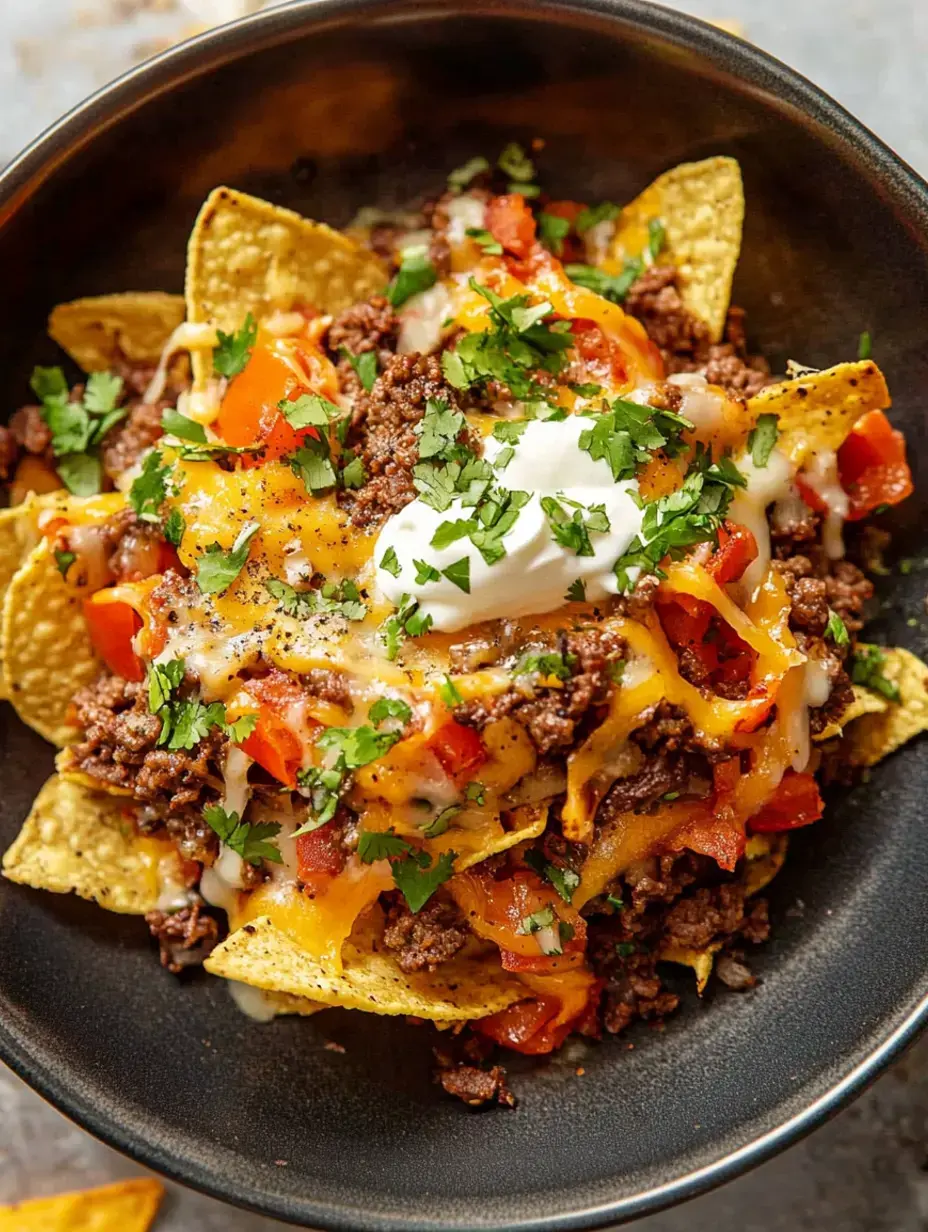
{"x":202,"y":54}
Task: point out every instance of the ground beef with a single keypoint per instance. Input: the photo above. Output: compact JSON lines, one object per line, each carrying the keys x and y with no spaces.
{"x":370,"y":326}
{"x":476,"y":1086}
{"x":118,"y":747}
{"x":427,"y":938}
{"x":552,"y":716}
{"x":330,"y":686}
{"x":30,"y":431}
{"x":384,"y":434}
{"x":701,"y":916}
{"x":9,"y":453}
{"x":669,"y":730}
{"x":185,"y":937}
{"x":125,"y":443}
{"x":636,"y":991}
{"x":848,"y":590}
{"x":684,"y":341}
{"x":660,"y":775}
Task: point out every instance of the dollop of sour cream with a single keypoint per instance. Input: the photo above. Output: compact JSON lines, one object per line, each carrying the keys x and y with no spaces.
{"x":536,"y":571}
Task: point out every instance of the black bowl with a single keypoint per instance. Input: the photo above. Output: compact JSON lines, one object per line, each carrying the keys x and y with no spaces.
{"x":325,"y":105}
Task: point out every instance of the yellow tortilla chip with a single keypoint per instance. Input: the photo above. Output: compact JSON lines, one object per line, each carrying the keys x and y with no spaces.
{"x":81,"y":841}
{"x":127,"y":1206}
{"x":64,"y":764}
{"x":465,"y":987}
{"x":246,"y":255}
{"x":526,"y":822}
{"x":874,"y":736}
{"x":701,"y":961}
{"x":99,"y":331}
{"x":18,"y":535}
{"x":864,"y":702}
{"x":817,"y":411}
{"x":45,"y":650}
{"x":701,"y":206}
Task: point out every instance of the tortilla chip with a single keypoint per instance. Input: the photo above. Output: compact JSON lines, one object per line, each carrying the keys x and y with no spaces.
{"x":80,"y":840}
{"x":527,"y":822}
{"x":876,"y":735}
{"x":702,"y":208}
{"x":817,"y":411}
{"x":864,"y":702}
{"x":701,"y":961}
{"x":246,"y":255}
{"x":18,"y":534}
{"x":45,"y":650}
{"x":64,"y":764}
{"x":127,"y":1206}
{"x":261,"y":954}
{"x":99,"y":331}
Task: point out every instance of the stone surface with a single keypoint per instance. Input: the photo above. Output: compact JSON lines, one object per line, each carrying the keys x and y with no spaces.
{"x":866,"y":1171}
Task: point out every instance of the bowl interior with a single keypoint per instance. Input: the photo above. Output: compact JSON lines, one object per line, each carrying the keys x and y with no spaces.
{"x":334,"y":107}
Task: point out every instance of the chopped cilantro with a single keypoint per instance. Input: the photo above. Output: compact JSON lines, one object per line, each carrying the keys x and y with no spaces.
{"x":504,"y":457}
{"x":552,"y":231}
{"x":252,"y":842}
{"x":549,"y":663}
{"x":381,"y":845}
{"x":614,"y":902}
{"x":356,"y":746}
{"x":866,"y":668}
{"x":174,"y":526}
{"x":364,"y":365}
{"x":571,"y":530}
{"x":461,"y":176}
{"x":418,"y":623}
{"x":576,"y":591}
{"x":438,"y":430}
{"x":447,"y":533}
{"x":309,"y":411}
{"x":458,"y":573}
{"x":627,"y":434}
{"x":218,"y":568}
{"x":313,"y":465}
{"x":214,"y":449}
{"x":324,"y":787}
{"x":343,"y":598}
{"x":606,"y":211}
{"x":440,"y":824}
{"x":510,"y":430}
{"x":762,"y":439}
{"x":616,"y":670}
{"x":240,"y":729}
{"x":64,"y":561}
{"x":585,"y":389}
{"x":390,"y":563}
{"x":180,"y":426}
{"x":353,"y":474}
{"x":475,"y":792}
{"x":150,"y":488}
{"x":78,"y":427}
{"x":234,"y":350}
{"x":864,"y":345}
{"x":389,"y":708}
{"x":184,"y":723}
{"x":485,"y":240}
{"x":163,"y":679}
{"x":613,"y":287}
{"x":450,"y":694}
{"x":625,"y":949}
{"x":564,"y":880}
{"x":416,"y":273}
{"x":538,"y":920}
{"x":515,"y":164}
{"x":81,"y":473}
{"x":417,"y":878}
{"x":657,"y":235}
{"x":425,"y":572}
{"x":836,"y":630}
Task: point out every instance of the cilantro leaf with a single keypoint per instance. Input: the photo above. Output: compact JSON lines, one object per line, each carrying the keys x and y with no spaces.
{"x":180,"y":426}
{"x":239,"y":730}
{"x":314,"y":466}
{"x":81,"y":473}
{"x":576,"y":591}
{"x":417,"y":878}
{"x":564,"y":880}
{"x":389,"y":708}
{"x":163,"y":680}
{"x":606,"y":211}
{"x":353,"y":474}
{"x":101,"y":392}
{"x":390,"y":563}
{"x":174,"y":527}
{"x":252,"y":842}
{"x":439,"y":824}
{"x":485,"y":240}
{"x":864,"y":345}
{"x":78,"y":426}
{"x":459,"y":574}
{"x":48,"y":383}
{"x":657,"y":236}
{"x":515,"y":163}
{"x":149,"y":489}
{"x":325,"y":787}
{"x":613,"y":287}
{"x":866,"y":669}
{"x":309,"y":411}
{"x":380,"y":845}
{"x":461,"y":176}
{"x":356,"y":746}
{"x":449,"y":693}
{"x":233,"y":351}
{"x":552,"y":231}
{"x":364,"y":365}
{"x":762,"y":439}
{"x":627,"y":434}
{"x":64,"y":561}
{"x":406,"y":620}
{"x":343,"y":598}
{"x":450,"y":532}
{"x":551,"y":663}
{"x":571,"y":530}
{"x":425,"y":572}
{"x":218,"y":568}
{"x":836,"y":629}
{"x":416,"y":273}
{"x":438,"y":430}
{"x":510,"y":430}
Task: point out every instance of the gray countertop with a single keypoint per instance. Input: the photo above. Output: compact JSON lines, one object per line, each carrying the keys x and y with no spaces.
{"x":866,"y":1171}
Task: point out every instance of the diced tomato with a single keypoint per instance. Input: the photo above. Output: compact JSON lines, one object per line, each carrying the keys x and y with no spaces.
{"x":725,"y":775}
{"x":716,"y":835}
{"x":249,"y":413}
{"x":512,"y":224}
{"x":273,"y":744}
{"x":603,"y":355}
{"x":112,"y":626}
{"x":520,"y":1026}
{"x":459,"y":749}
{"x":320,"y":854}
{"x":810,"y":497}
{"x":737,"y":549}
{"x":693,"y":625}
{"x":872,"y":465}
{"x":795,"y":803}
{"x":497,"y":910}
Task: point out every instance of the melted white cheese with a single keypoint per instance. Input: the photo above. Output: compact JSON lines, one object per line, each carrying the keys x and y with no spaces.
{"x":536,"y":571}
{"x":702,"y":403}
{"x":822,"y":477}
{"x":253,"y":1002}
{"x":422,"y":320}
{"x":765,"y":484}
{"x":464,"y":213}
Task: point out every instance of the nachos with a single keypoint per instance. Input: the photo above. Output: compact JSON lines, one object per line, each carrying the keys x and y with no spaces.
{"x":446,"y":618}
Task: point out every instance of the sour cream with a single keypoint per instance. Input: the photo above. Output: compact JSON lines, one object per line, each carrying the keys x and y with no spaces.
{"x":536,"y":571}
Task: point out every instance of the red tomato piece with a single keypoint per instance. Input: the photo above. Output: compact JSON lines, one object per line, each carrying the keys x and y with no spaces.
{"x":320,"y":854}
{"x":459,"y":749}
{"x":512,"y":224}
{"x":737,"y":549}
{"x":872,"y":465}
{"x":112,"y":626}
{"x":602,"y":355}
{"x":521,"y":1026}
{"x":249,"y":413}
{"x":273,"y":744}
{"x":810,"y":497}
{"x":796,"y":802}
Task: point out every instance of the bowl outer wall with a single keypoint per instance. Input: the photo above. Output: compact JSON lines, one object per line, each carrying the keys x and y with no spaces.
{"x":328,"y":106}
